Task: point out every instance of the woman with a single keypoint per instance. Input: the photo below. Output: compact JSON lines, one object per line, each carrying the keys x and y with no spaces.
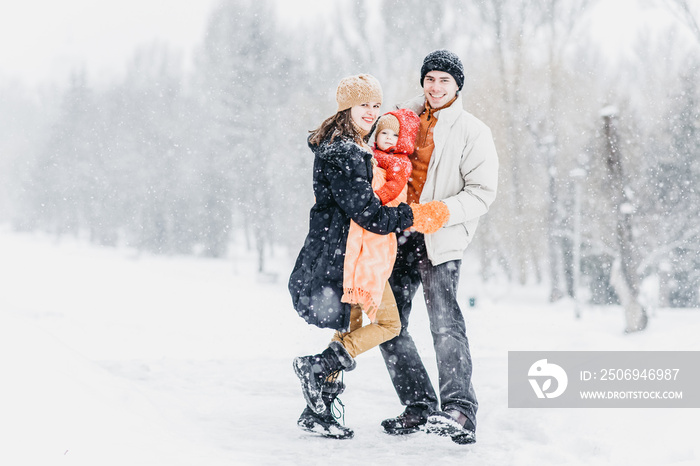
{"x":342,"y":183}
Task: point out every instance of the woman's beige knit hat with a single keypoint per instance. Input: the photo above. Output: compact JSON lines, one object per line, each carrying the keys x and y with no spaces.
{"x":358,"y":89}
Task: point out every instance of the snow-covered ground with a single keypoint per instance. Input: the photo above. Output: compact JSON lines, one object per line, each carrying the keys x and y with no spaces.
{"x":110,"y":358}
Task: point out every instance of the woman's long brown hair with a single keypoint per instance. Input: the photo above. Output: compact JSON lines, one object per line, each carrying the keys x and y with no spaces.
{"x":338,"y":126}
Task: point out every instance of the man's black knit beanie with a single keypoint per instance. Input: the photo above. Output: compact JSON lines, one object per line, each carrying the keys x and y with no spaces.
{"x":443,"y":60}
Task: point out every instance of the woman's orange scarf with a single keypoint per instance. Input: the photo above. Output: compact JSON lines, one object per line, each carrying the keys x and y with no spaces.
{"x":369,"y":258}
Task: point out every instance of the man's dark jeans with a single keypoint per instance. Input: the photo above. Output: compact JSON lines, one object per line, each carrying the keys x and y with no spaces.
{"x":447,"y":326}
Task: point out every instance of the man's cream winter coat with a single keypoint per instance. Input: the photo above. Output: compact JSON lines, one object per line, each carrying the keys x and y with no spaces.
{"x":463,"y":173}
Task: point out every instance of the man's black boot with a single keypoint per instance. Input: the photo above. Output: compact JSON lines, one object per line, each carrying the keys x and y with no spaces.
{"x":411,"y":420}
{"x":454,"y":424}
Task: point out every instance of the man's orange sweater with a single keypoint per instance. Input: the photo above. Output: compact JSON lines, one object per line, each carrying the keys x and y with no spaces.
{"x":420,"y":159}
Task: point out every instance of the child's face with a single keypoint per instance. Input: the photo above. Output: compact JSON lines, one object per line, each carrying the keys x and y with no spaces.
{"x":386,"y":139}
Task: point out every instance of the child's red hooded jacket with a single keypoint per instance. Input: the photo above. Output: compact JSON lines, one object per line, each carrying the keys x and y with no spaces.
{"x":395,"y":160}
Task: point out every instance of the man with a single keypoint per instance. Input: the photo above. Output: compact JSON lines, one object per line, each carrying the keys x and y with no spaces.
{"x":454,"y":162}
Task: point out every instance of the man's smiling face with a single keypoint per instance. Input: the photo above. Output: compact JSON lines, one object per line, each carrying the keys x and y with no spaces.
{"x":439,"y":88}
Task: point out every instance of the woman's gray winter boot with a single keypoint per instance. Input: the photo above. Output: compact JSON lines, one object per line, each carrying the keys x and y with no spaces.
{"x":325,"y":423}
{"x":313,"y":371}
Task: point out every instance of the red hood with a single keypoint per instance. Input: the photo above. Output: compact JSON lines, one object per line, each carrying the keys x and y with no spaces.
{"x":409,"y":123}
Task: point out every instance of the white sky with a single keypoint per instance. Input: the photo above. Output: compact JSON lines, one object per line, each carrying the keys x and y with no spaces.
{"x":618,"y":23}
{"x":41,"y":41}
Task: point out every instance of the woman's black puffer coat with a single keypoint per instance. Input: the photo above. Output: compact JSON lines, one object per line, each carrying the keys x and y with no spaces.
{"x":342,"y":182}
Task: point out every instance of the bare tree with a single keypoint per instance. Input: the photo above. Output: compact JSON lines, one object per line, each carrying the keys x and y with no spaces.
{"x":559,"y":21}
{"x":688,"y":12}
{"x":507,"y":25}
{"x":527,"y":100}
{"x":625,"y":276}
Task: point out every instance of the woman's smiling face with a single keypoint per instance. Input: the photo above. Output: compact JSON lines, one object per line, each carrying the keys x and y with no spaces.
{"x":365,"y":114}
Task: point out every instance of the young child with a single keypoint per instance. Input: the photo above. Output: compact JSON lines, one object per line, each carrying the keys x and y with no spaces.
{"x":395,"y":139}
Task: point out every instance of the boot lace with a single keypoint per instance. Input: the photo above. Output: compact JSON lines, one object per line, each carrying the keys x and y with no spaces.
{"x":337,"y":408}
